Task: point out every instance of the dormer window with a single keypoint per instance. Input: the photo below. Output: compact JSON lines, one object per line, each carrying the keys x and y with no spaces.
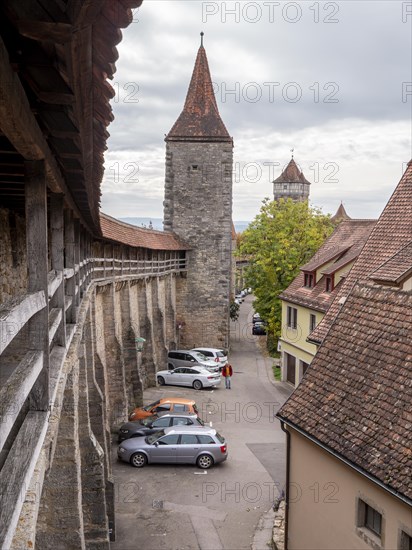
{"x":309,"y":280}
{"x":329,"y":284}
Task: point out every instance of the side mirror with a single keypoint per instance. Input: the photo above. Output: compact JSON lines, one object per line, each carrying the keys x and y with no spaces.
{"x":156,"y":443}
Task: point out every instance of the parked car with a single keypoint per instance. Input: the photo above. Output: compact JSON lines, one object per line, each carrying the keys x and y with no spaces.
{"x":196,"y":377}
{"x":189,"y":358}
{"x":202,"y":446}
{"x":257,"y":318}
{"x":215,"y":354}
{"x":152,"y":424}
{"x":239,"y":297}
{"x":259,"y":329}
{"x":166,"y":404}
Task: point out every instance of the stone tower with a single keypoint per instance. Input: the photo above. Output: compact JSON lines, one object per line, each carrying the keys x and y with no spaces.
{"x":291,"y":184}
{"x":198,"y":208}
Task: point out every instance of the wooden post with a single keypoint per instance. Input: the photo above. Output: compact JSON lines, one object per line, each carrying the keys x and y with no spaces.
{"x":69,"y":248}
{"x":76,"y":222}
{"x":37,"y":266}
{"x":57,"y":258}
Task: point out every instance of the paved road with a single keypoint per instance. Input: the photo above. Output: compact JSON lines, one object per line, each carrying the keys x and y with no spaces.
{"x":182,"y":507}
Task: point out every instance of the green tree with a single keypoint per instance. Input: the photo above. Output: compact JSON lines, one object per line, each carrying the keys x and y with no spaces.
{"x":282,"y":237}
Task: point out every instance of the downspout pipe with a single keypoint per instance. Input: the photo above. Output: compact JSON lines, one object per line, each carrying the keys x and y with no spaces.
{"x":282,"y":425}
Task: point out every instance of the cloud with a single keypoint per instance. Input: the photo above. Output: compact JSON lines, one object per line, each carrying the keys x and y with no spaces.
{"x":331,"y":90}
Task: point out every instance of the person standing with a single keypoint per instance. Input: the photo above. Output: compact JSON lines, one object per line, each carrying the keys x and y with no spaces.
{"x":227,"y":373}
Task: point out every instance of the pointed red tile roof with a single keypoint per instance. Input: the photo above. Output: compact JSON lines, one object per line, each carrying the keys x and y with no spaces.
{"x":292,"y":174}
{"x":340,"y":215}
{"x":200,"y":119}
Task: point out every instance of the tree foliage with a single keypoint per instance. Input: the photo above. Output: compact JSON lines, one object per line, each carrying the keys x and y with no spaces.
{"x":282,"y":238}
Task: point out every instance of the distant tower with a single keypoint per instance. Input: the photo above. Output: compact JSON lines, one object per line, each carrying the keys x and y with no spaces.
{"x":340,"y":215}
{"x":198,"y":208}
{"x":291,"y":184}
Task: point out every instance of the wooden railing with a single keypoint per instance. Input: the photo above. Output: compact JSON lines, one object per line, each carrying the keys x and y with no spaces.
{"x":65,"y":288}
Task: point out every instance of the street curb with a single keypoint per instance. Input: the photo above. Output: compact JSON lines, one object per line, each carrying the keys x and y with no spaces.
{"x":263,"y":537}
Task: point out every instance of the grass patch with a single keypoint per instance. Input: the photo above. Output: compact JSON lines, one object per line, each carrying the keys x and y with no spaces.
{"x":276,"y":373}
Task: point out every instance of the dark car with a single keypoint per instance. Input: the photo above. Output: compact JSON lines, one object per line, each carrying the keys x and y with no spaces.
{"x":152,"y":424}
{"x":256,"y":318}
{"x":259,"y":329}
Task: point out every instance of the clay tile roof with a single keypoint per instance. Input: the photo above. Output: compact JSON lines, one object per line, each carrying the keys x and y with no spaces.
{"x":397,"y":268}
{"x":343,"y":246}
{"x":392,"y":232}
{"x":292,"y":174}
{"x":356,"y":396}
{"x":124,"y":233}
{"x":200,"y":118}
{"x":340,"y":215}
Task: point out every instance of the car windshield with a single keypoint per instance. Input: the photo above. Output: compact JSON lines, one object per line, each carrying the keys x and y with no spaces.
{"x":148,"y":421}
{"x":148,"y":407}
{"x":220,"y":438}
{"x":199,"y":356}
{"x":154,"y":437}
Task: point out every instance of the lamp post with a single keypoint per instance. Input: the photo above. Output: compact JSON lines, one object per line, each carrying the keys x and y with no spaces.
{"x":139,"y":343}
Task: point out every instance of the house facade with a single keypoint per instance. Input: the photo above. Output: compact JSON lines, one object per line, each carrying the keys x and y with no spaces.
{"x":308,"y":297}
{"x":348,"y":423}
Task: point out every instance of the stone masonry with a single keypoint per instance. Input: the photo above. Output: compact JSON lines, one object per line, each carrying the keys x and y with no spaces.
{"x":198,"y":207}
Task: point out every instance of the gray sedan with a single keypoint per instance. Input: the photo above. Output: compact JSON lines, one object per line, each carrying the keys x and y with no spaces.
{"x":202,"y":446}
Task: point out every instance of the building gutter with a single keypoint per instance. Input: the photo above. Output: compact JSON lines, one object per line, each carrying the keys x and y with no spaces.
{"x":282,"y":425}
{"x":360,"y":471}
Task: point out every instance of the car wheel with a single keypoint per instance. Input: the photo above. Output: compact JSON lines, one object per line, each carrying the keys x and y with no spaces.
{"x":160,"y":380}
{"x":138,"y":460}
{"x":197,"y":384}
{"x":204,"y":462}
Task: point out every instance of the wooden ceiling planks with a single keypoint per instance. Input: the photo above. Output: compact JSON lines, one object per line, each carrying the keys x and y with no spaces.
{"x":62,"y":53}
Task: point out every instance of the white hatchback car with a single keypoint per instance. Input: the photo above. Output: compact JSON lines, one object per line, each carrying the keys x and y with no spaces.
{"x":215,"y":354}
{"x":196,"y":377}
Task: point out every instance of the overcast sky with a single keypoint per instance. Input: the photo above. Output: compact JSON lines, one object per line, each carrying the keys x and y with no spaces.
{"x":333,"y":80}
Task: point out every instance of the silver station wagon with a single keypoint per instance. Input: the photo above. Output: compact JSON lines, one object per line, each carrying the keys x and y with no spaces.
{"x":202,"y":446}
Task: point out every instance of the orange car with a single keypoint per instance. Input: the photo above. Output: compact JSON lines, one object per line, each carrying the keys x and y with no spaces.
{"x":167,"y":404}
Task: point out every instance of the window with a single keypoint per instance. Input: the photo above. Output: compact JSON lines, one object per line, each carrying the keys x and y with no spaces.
{"x":194,"y":167}
{"x":309,"y":280}
{"x":188,"y":439}
{"x":373,"y":520}
{"x":169,"y":439}
{"x":292,"y":317}
{"x":182,"y":422}
{"x":161,"y":408}
{"x":180,"y":408}
{"x":369,"y":518}
{"x":161,"y":423}
{"x":206,"y":440}
{"x":405,"y":542}
{"x":312,"y":322}
{"x":329,"y":284}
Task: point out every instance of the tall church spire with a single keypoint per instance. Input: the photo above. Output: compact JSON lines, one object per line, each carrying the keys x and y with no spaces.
{"x":200,"y":119}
